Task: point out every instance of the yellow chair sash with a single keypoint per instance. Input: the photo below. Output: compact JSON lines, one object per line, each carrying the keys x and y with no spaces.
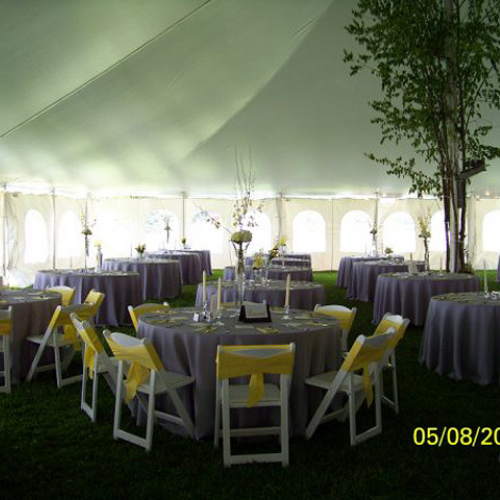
{"x":359,"y":358}
{"x":231,"y":365}
{"x":344,"y":318}
{"x":142,"y":359}
{"x":93,"y":346}
{"x":61,"y":318}
{"x":385,"y":324}
{"x":5,"y":327}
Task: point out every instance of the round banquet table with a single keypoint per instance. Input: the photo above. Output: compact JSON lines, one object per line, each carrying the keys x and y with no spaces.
{"x":290,"y":261}
{"x":191,"y":268}
{"x":461,"y":337}
{"x":31,"y":314}
{"x":345,"y":268}
{"x":409,"y":295}
{"x":303,"y":294}
{"x":190,"y":348}
{"x":121,"y":289}
{"x":273,"y":273}
{"x":159,"y":279}
{"x":364,"y":277}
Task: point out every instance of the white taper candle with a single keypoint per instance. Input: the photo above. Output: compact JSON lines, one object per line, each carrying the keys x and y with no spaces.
{"x":287,"y":291}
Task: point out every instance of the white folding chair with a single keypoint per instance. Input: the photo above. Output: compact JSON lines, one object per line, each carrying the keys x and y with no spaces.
{"x":95,"y":362}
{"x":147,"y":308}
{"x":344,"y":315}
{"x":399,"y":324}
{"x":146,"y":377}
{"x":366,"y":354}
{"x":67,"y":342}
{"x":238,"y":361}
{"x":5,"y":334}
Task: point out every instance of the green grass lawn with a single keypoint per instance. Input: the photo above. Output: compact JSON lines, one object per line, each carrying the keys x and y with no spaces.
{"x":50,"y":449}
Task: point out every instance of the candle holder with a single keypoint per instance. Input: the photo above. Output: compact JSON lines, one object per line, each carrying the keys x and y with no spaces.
{"x":206,"y":312}
{"x":218,"y":317}
{"x":287,"y":313}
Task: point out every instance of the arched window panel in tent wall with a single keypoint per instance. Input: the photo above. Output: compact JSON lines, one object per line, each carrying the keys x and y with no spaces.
{"x":69,"y":237}
{"x":157,"y":236}
{"x":261,"y":233}
{"x":36,"y":241}
{"x":309,"y":232}
{"x":204,"y":234}
{"x":491,"y":232}
{"x":399,"y":233}
{"x":355,"y":232}
{"x":437,"y":242}
{"x":114,"y":230}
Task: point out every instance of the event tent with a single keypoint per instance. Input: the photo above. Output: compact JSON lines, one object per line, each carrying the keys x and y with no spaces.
{"x":135,"y":107}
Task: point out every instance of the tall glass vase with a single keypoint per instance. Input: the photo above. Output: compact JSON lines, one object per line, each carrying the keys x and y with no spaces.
{"x":86,"y":252}
{"x":426,"y":256}
{"x":240,"y":277}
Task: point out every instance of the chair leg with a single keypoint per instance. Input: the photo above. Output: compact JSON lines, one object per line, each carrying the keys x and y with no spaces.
{"x":38,"y":355}
{"x":151,"y":411}
{"x":182,"y":412}
{"x":6,"y":362}
{"x":118,"y":401}
{"x":395,"y":384}
{"x":217,"y":415}
{"x":284,"y":428}
{"x":226,"y":425}
{"x":57,"y":362}
{"x":95,"y":388}
{"x":352,"y":411}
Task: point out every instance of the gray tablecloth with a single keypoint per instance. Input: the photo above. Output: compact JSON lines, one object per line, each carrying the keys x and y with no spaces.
{"x":31,"y":314}
{"x":191,"y":267}
{"x":295,"y":259}
{"x":206,"y":260}
{"x":364,"y":278}
{"x":345,"y":268}
{"x":273,"y":273}
{"x":160,"y":279}
{"x":303,"y":295}
{"x":462,"y":337}
{"x":122,"y":289}
{"x":409,"y":295}
{"x":183,"y":349}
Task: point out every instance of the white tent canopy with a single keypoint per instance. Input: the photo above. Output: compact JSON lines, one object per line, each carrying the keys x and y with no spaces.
{"x":125,"y":97}
{"x":140,"y":106}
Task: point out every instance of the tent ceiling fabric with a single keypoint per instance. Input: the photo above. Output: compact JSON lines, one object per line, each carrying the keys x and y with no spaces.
{"x":125,"y":97}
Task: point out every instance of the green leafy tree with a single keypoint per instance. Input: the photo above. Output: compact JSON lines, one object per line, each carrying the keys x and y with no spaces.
{"x":438,"y":65}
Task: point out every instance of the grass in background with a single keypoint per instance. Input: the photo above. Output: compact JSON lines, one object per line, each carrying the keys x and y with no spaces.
{"x":48,"y":448}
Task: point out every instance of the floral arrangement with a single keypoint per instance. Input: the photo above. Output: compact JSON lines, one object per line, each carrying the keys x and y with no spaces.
{"x":183,"y":240}
{"x":424,"y":223}
{"x":140,"y":248}
{"x":167,"y":227}
{"x":242,"y":236}
{"x":258,"y":260}
{"x":388,"y":251}
{"x":98,"y":245}
{"x":86,"y":231}
{"x":273,"y":252}
{"x":86,"y":225}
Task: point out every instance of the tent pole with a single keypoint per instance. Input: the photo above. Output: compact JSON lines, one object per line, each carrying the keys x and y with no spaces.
{"x":54,"y":235}
{"x":183,"y":214}
{"x":4,"y":232}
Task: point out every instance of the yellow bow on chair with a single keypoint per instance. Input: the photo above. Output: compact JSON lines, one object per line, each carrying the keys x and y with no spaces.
{"x":142,"y":359}
{"x":231,"y":364}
